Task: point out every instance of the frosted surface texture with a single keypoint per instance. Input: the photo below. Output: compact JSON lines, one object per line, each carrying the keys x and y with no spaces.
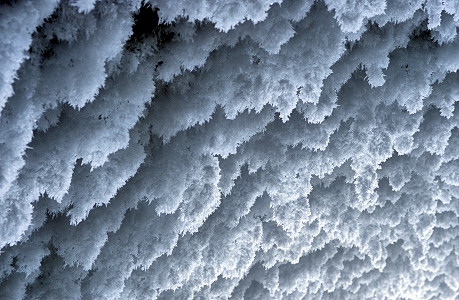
{"x":229,"y":149}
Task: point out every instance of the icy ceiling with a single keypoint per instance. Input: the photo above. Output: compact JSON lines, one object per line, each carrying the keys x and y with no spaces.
{"x":215,"y":149}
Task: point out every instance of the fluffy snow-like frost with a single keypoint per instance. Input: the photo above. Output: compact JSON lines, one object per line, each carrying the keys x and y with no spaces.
{"x":219,"y":149}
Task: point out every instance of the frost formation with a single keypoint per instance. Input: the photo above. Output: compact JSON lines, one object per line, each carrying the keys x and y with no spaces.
{"x":229,"y":149}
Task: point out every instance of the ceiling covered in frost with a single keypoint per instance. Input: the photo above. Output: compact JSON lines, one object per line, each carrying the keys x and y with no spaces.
{"x":219,"y":149}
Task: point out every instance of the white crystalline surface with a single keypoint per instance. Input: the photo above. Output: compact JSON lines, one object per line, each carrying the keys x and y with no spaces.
{"x":229,"y":149}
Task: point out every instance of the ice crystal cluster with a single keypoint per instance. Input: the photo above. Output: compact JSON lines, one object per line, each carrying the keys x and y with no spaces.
{"x":229,"y":149}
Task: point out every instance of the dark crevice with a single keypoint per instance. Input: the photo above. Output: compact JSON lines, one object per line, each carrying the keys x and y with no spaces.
{"x":147,"y":24}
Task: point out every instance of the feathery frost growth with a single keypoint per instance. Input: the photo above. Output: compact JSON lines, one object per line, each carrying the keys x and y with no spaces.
{"x":228,"y":149}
